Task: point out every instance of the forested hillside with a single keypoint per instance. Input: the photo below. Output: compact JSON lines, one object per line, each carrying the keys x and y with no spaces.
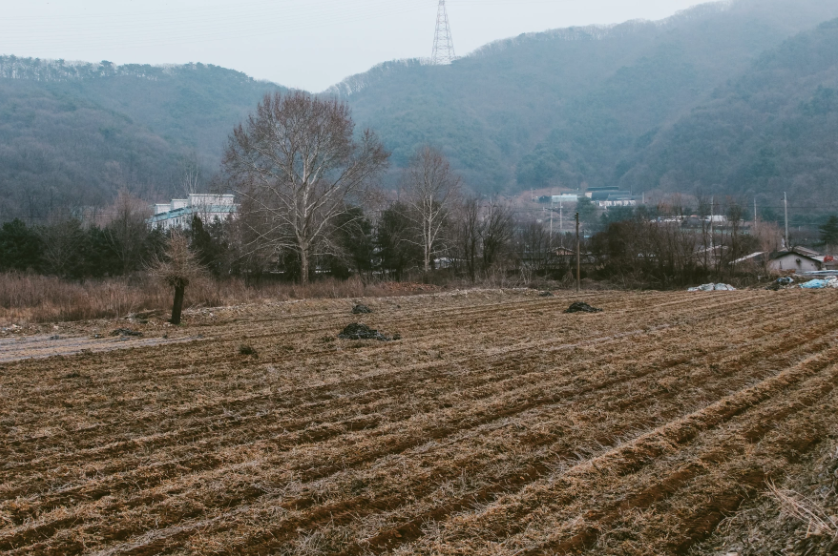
{"x":72,"y":135}
{"x":691,"y":101}
{"x":570,"y":108}
{"x":773,"y":129}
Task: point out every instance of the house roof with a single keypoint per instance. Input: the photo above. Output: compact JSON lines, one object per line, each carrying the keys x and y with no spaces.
{"x":752,"y":256}
{"x":800,"y":252}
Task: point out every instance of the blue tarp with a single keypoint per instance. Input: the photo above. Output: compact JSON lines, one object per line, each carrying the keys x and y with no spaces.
{"x":815,"y":285}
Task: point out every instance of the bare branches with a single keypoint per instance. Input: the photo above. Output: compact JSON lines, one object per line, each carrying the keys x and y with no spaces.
{"x":430,"y":185}
{"x":179,"y":266}
{"x":177,"y":269}
{"x":294,"y":163}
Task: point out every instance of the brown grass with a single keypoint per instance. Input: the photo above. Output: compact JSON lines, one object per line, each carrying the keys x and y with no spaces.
{"x":27,"y":298}
{"x":497,"y":425}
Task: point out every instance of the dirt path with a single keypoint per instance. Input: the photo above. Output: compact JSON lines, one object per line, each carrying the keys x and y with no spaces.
{"x":42,"y":346}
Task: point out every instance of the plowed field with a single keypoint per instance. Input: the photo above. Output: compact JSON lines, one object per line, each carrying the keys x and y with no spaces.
{"x":496,"y":425}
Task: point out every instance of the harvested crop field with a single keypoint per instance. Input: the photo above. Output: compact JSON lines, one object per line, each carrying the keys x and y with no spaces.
{"x":497,"y":424}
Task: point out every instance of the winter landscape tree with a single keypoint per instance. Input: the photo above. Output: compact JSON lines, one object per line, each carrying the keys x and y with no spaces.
{"x":295,"y":162}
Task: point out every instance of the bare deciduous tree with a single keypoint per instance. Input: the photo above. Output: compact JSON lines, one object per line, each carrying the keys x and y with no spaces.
{"x":177,"y":268}
{"x":127,"y":229}
{"x":484,"y":231}
{"x":190,"y":178}
{"x":468,"y":232}
{"x":294,"y":163}
{"x":430,"y":186}
{"x":498,"y":231}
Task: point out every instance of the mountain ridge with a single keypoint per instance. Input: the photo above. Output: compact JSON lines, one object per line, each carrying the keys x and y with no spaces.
{"x":566,"y":108}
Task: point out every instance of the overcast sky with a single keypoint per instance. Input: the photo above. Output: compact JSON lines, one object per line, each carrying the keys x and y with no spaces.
{"x":310,"y":44}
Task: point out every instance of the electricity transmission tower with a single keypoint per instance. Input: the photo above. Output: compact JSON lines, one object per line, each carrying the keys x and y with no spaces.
{"x":443,"y":41}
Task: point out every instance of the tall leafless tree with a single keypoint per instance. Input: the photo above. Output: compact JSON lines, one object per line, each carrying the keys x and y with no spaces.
{"x":430,"y":187}
{"x":497,"y":233}
{"x":469,"y":229}
{"x":295,"y":162}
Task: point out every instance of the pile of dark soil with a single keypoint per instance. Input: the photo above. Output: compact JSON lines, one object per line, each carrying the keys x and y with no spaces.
{"x":126,"y":332}
{"x":357,"y":331}
{"x":361,"y":310}
{"x":580,"y":307}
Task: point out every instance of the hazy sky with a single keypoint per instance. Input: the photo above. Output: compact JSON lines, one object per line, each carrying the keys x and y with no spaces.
{"x":310,"y":44}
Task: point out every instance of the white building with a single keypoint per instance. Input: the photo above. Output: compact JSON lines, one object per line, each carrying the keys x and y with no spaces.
{"x":797,"y":260}
{"x":179,"y":213}
{"x":565,"y":198}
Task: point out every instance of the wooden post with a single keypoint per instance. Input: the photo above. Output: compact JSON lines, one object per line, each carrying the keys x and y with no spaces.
{"x":578,"y":257}
{"x":177,"y":306}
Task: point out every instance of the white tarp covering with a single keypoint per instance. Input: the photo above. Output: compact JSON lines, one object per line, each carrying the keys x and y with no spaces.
{"x":713,"y":287}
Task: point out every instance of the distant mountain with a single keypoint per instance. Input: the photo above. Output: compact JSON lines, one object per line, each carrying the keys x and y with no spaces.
{"x":690,"y":101}
{"x":74,"y":134}
{"x":570,"y":108}
{"x":773,"y":129}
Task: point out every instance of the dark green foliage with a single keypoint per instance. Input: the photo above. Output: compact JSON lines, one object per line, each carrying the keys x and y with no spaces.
{"x":20,"y":247}
{"x":67,"y":249}
{"x":398,"y":245}
{"x":355,"y":244}
{"x":829,"y":231}
{"x":210,"y":245}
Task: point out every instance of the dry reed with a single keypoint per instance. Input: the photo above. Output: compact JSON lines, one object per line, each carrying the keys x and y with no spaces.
{"x":30,"y":298}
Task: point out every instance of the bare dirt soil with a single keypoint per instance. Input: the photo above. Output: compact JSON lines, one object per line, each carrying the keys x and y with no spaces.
{"x":496,"y":425}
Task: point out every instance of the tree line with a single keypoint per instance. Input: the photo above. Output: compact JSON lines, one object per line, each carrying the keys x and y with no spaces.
{"x":311,"y":205}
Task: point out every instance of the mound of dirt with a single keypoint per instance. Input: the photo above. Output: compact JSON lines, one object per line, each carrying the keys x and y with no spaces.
{"x":581,"y":307}
{"x":358,"y":331}
{"x":126,"y":332}
{"x":361,"y":310}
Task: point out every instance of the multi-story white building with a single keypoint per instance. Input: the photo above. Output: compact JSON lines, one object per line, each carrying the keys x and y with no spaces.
{"x":208,"y":206}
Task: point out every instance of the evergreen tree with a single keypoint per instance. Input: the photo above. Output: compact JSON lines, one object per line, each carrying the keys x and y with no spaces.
{"x":829,"y":232}
{"x":20,"y":247}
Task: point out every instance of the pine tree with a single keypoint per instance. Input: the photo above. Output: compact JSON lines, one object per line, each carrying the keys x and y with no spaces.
{"x":829,"y":232}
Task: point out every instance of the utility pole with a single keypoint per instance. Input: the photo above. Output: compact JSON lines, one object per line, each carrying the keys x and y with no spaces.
{"x":443,"y":52}
{"x":712,"y":218}
{"x":551,"y":222}
{"x":578,"y":257}
{"x":561,"y":223}
{"x":756,"y":226}
{"x":786,"y":205}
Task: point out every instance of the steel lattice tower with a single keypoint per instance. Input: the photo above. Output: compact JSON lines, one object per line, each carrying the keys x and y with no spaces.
{"x":443,"y":41}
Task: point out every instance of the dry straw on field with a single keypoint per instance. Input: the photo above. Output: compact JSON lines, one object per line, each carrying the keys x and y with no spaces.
{"x":806,"y":510}
{"x":497,"y":425}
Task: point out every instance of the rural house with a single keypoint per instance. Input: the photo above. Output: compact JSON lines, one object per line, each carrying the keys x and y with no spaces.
{"x":797,"y":260}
